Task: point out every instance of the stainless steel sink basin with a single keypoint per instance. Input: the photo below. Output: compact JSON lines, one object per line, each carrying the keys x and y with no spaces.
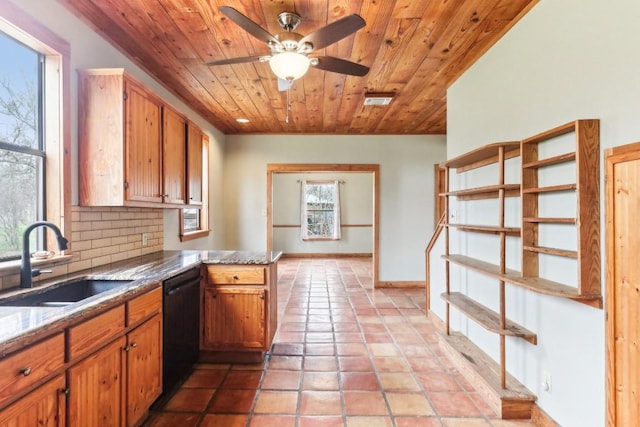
{"x":63,"y":294}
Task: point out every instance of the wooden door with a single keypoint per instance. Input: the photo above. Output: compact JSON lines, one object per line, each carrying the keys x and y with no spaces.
{"x":43,"y":407}
{"x":194,"y":164}
{"x":144,"y":368}
{"x":234,"y":318}
{"x":143,"y":146}
{"x":173,"y":156}
{"x":96,"y":388}
{"x":623,"y":285}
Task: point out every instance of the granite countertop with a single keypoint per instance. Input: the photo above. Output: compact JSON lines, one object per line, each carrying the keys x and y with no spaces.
{"x":20,"y":325}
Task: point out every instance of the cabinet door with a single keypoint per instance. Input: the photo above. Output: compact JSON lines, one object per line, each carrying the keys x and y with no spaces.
{"x":194,"y":164}
{"x":234,"y":318}
{"x":173,"y":156}
{"x":43,"y":407}
{"x":143,"y":146}
{"x":96,"y":388}
{"x":144,"y":368}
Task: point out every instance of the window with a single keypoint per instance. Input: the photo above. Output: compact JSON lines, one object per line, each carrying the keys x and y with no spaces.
{"x":320,"y":210}
{"x":34,"y":132}
{"x":194,"y":220}
{"x":21,"y":145}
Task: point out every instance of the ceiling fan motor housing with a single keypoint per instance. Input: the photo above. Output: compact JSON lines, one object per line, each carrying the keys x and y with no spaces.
{"x":289,"y":21}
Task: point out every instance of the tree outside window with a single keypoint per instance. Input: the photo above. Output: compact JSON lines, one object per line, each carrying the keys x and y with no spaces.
{"x":320,"y":210}
{"x":21,"y":145}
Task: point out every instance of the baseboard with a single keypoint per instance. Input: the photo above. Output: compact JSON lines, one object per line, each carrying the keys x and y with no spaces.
{"x":327,"y":255}
{"x":401,"y":284}
{"x":541,"y":419}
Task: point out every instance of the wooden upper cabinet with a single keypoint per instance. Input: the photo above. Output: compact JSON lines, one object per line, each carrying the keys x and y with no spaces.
{"x":131,"y":143}
{"x":194,"y":164}
{"x":143,"y":145}
{"x":173,"y":151}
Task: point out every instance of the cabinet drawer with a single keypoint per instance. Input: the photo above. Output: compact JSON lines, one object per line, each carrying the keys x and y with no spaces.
{"x":94,"y":332}
{"x":28,"y":366}
{"x":144,"y":306}
{"x":235,"y":275}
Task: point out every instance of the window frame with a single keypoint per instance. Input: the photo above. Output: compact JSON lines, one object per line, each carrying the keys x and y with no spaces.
{"x":56,"y":126}
{"x":304,"y":217}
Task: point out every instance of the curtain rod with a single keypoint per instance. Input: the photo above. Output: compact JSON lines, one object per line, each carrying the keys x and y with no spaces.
{"x":341,"y":182}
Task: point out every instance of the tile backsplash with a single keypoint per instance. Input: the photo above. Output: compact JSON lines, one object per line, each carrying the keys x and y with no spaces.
{"x":101,"y":235}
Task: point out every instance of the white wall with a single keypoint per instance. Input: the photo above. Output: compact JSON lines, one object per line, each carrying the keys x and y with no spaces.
{"x":565,"y":60}
{"x":89,"y":50}
{"x":406,"y":188}
{"x":356,"y":208}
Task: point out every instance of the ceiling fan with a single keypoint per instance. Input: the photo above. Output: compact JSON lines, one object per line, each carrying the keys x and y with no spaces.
{"x":289,"y":58}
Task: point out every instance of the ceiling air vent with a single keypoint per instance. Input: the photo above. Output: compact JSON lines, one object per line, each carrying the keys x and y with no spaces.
{"x":371,"y":98}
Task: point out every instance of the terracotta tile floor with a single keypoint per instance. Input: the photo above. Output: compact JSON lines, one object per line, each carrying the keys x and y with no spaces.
{"x":344,"y":355}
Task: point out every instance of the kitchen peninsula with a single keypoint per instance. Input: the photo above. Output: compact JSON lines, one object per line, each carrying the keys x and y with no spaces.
{"x":104,"y":353}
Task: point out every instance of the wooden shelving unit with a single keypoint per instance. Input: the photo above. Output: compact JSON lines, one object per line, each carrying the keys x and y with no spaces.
{"x":496,"y":322}
{"x":585,"y":156}
{"x":511,"y":398}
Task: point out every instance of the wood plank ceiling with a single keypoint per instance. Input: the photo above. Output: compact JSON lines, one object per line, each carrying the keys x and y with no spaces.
{"x":415,"y":49}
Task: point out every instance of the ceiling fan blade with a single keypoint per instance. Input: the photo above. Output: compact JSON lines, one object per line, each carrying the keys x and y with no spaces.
{"x":342,"y":66}
{"x":284,"y":85}
{"x":241,"y":60}
{"x":334,"y":32}
{"x":249,"y":26}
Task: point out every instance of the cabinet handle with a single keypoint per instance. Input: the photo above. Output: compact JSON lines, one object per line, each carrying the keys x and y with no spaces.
{"x":25,"y":372}
{"x":129,"y":347}
{"x":262,"y":296}
{"x":66,"y":391}
{"x":235,"y":277}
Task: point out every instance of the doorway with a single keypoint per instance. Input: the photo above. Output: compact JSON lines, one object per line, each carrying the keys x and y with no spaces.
{"x":623,"y":285}
{"x":324,"y":168}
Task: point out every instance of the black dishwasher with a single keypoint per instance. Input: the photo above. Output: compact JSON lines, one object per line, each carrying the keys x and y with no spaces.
{"x":181,"y":306}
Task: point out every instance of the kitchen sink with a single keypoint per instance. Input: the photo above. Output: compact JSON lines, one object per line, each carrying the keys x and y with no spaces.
{"x":64,"y":294}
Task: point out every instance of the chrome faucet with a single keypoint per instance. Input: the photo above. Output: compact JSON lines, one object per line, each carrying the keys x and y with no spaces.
{"x":26,"y":273}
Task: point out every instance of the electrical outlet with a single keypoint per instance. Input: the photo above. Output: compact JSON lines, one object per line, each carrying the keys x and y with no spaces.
{"x":145,"y":239}
{"x":546,"y":381}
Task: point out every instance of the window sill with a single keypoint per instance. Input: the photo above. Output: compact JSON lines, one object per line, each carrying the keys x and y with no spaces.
{"x":192,"y":235}
{"x":13,"y":267}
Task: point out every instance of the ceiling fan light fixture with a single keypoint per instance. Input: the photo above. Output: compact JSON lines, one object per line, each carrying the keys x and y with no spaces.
{"x":289,"y":65}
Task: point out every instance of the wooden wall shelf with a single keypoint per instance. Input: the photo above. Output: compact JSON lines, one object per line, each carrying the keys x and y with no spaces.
{"x":487,"y":318}
{"x":511,"y":231}
{"x":534,"y":185}
{"x":487,"y":192}
{"x":483,"y":156}
{"x":535,"y":284}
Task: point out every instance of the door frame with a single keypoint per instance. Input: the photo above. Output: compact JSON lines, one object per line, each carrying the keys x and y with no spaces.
{"x":612,"y":156}
{"x":374,"y":169}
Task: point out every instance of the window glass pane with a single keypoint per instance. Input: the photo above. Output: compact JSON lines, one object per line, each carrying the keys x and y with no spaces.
{"x":191,"y":219}
{"x":320,"y":204}
{"x":19,"y":93}
{"x":21,"y":152}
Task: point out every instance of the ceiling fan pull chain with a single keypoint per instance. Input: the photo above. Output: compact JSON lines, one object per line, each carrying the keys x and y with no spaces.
{"x":286,"y":120}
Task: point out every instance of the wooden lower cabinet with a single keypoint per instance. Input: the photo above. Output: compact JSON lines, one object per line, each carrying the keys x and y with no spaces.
{"x":43,"y":407}
{"x":116,"y":384}
{"x":239,"y":313}
{"x":234,"y":318}
{"x":96,"y":388}
{"x":144,"y":368}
